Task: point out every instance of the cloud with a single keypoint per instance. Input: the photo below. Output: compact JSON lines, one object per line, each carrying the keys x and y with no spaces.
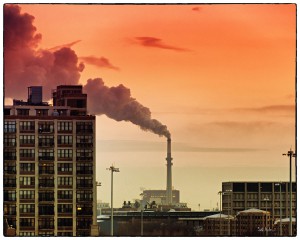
{"x":235,"y":125}
{"x":197,"y":9}
{"x":68,"y":45}
{"x":270,"y":109}
{"x":25,"y":65}
{"x":157,"y":43}
{"x":99,"y":62}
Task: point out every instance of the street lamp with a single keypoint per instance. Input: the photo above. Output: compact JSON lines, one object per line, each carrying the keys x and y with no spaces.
{"x":290,"y":154}
{"x":266,"y":199}
{"x":112,"y":169}
{"x":280,"y":231}
{"x":220,"y":192}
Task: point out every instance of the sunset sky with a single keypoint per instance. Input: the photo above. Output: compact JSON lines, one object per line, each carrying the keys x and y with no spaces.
{"x":221,"y":77}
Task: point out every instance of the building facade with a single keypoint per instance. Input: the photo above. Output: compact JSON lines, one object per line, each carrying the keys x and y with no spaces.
{"x":49,"y":168}
{"x":160,"y":196}
{"x":239,"y":196}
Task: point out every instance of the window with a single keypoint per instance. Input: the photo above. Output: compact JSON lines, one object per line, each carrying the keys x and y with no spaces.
{"x":65,"y":194}
{"x":64,"y":139}
{"x":64,"y":181}
{"x":9,"y":140}
{"x":26,"y":234}
{"x":9,"y":126}
{"x":64,"y":126}
{"x":6,"y":111}
{"x":27,"y":208}
{"x":65,"y":208}
{"x":46,"y":196}
{"x":27,"y":194}
{"x":83,"y":223}
{"x":9,"y":209}
{"x":10,"y":154}
{"x":9,"y":181}
{"x":46,"y":223}
{"x":46,"y":182}
{"x":64,"y":153}
{"x":84,"y":141}
{"x":23,"y":112}
{"x":26,"y":181}
{"x":84,"y":182}
{"x":26,"y":153}
{"x":46,"y":168}
{"x":84,"y":127}
{"x":41,"y":112}
{"x":10,"y":167}
{"x":46,"y":141}
{"x":46,"y":127}
{"x":27,"y":139}
{"x":84,"y":168}
{"x":46,"y":209}
{"x":27,"y":167}
{"x":84,"y":154}
{"x":65,"y":167}
{"x":65,"y":222}
{"x":84,"y":196}
{"x":27,"y":126}
{"x":46,"y":154}
{"x":84,"y":209}
{"x":26,"y":222}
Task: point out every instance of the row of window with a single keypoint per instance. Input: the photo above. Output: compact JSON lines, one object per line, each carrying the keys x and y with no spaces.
{"x":48,"y":168}
{"x":81,"y":195}
{"x":48,"y":154}
{"x":10,"y":126}
{"x":84,"y":140}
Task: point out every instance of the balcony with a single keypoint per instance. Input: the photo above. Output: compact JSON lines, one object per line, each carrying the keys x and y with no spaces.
{"x":29,"y":129}
{"x":83,"y":171}
{"x":84,"y":158}
{"x":46,"y":130}
{"x":46,"y":172}
{"x":46,"y":226}
{"x":84,"y":130}
{"x":46,"y":144}
{"x":9,"y":157}
{"x":46,"y":158}
{"x":9,"y":185}
{"x":84,"y":145}
{"x":46,"y":184}
{"x":84,"y":212}
{"x":84,"y":185}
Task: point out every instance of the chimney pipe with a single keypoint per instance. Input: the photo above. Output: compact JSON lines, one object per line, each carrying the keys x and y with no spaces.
{"x":169,"y":173}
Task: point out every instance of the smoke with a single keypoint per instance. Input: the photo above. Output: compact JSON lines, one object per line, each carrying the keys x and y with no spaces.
{"x":118,"y":104}
{"x":25,"y":66}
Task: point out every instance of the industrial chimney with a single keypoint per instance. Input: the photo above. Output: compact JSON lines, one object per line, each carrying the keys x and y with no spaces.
{"x":169,"y":173}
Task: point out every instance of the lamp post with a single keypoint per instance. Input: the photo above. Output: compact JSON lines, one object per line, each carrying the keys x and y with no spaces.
{"x":98,"y":184}
{"x":228,"y":192}
{"x":290,"y":154}
{"x":220,"y":192}
{"x":280,"y":211}
{"x":112,"y":169}
{"x":266,"y":199}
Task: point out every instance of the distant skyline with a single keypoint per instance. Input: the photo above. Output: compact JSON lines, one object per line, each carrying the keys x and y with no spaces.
{"x":221,"y":77}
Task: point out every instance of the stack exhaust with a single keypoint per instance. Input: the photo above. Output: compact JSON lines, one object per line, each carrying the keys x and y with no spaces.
{"x":169,"y":173}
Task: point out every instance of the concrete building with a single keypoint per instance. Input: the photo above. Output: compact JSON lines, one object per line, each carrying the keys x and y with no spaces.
{"x":239,"y":196}
{"x":49,"y":166}
{"x":253,"y":222}
{"x":218,"y":225}
{"x":160,"y":196}
{"x":285,"y":222}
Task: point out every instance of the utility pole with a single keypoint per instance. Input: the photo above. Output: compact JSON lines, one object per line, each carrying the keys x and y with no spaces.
{"x":290,"y":154}
{"x":112,"y":169}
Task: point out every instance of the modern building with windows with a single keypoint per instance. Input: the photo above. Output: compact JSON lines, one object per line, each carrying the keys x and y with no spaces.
{"x":49,"y":165}
{"x":240,"y":196}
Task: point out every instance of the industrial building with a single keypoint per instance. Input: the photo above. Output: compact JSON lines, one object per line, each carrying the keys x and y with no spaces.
{"x":49,"y":165}
{"x":239,"y":196}
{"x":160,"y":196}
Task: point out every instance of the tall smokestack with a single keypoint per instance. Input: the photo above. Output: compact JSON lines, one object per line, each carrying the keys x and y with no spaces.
{"x":169,"y":172}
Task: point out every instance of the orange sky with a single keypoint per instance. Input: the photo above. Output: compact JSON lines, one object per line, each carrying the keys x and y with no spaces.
{"x":221,"y":77}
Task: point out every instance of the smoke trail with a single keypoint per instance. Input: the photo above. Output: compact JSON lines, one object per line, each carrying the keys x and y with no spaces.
{"x":26,"y":66}
{"x":117,"y":103}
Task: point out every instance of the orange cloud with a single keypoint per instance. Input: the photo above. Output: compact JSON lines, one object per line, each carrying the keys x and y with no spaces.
{"x":197,"y":9}
{"x":68,"y":45}
{"x":99,"y":62}
{"x":157,"y":43}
